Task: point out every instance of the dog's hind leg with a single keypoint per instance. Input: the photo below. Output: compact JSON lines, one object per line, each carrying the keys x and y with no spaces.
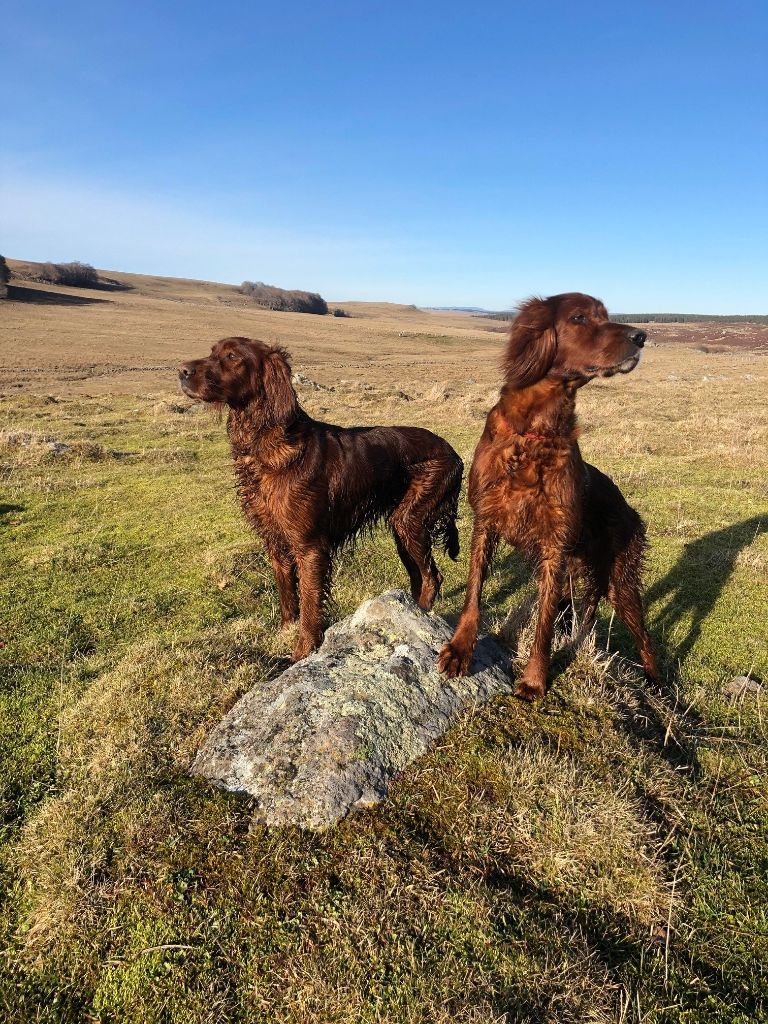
{"x":429,"y":501}
{"x":594,"y":585}
{"x":624,"y":595}
{"x":414,"y":546}
{"x":442,"y":522}
{"x":566,"y":615}
{"x":411,"y":567}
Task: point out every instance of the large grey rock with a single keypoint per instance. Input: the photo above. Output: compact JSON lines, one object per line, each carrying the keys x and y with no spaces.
{"x":328,"y":735}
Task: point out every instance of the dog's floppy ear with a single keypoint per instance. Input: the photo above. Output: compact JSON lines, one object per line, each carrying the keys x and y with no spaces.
{"x":279,"y":396}
{"x":532,"y":344}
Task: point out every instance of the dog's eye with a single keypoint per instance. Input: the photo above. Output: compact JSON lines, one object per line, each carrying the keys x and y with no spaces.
{"x":231,"y":355}
{"x":578,"y":318}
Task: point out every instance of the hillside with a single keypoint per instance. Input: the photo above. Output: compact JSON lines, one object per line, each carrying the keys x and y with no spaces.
{"x":136,"y":330}
{"x":599,"y":857}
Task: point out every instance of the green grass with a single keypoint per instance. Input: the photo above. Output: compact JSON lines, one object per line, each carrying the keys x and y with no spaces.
{"x":602,"y":856}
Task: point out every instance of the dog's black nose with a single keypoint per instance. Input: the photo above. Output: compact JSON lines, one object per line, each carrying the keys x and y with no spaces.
{"x":184,"y":372}
{"x":638,"y":338}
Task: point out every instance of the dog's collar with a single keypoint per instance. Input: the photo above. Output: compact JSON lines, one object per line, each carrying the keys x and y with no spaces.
{"x":535,"y":437}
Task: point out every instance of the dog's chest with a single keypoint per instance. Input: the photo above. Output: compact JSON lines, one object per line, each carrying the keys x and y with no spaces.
{"x":531,"y":496}
{"x":267,"y":501}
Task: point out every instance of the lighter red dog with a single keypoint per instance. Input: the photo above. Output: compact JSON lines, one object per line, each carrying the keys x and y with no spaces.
{"x":530,"y":487}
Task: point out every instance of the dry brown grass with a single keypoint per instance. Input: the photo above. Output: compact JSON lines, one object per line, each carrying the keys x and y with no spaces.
{"x":132,"y":340}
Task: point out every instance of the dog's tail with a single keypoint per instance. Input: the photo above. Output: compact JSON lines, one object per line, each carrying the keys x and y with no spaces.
{"x":451,"y":538}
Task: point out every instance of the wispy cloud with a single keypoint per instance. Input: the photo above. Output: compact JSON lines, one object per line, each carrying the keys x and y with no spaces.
{"x":41,"y":219}
{"x":447,"y":262}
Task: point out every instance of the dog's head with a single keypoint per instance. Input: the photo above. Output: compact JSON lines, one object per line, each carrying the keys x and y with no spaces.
{"x":242,"y":372}
{"x":568,"y":337}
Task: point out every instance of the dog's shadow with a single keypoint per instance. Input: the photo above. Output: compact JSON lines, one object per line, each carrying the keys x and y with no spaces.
{"x":691,"y":588}
{"x":508,"y":575}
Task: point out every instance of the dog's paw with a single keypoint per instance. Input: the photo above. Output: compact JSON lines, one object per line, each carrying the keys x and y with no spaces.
{"x":454,"y":660}
{"x":429,"y":593}
{"x":529,"y":691}
{"x":304,"y":648}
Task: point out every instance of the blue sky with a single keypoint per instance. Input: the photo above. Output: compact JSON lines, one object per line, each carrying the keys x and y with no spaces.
{"x":436,"y":153}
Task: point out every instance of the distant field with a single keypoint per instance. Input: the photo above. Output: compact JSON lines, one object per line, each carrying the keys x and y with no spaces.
{"x":131,"y":337}
{"x":600,"y":857}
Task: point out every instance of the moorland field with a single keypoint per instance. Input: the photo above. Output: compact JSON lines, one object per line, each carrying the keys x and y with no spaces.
{"x":600,"y":856}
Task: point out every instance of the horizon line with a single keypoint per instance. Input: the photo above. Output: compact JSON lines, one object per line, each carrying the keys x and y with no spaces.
{"x":465,"y":307}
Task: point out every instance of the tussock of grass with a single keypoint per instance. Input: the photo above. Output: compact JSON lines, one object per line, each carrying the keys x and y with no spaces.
{"x":554,"y":826}
{"x":26,"y":448}
{"x":165,"y":456}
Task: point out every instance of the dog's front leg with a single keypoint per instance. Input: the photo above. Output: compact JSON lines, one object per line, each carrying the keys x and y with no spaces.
{"x":533,"y":682}
{"x":456,"y":656}
{"x":284,"y":568}
{"x":314,"y":568}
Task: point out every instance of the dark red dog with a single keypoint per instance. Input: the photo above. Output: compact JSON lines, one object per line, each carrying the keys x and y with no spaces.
{"x":529,"y":486}
{"x":308,"y":487}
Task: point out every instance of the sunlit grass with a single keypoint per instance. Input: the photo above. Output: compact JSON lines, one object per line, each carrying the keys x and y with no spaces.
{"x":598,"y":857}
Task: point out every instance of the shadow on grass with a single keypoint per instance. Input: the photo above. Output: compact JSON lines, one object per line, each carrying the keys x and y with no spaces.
{"x":689,"y":590}
{"x":40,"y":297}
{"x":546,"y":921}
{"x":512,"y":572}
{"x":693,"y":585}
{"x":8,"y":510}
{"x":111,"y":284}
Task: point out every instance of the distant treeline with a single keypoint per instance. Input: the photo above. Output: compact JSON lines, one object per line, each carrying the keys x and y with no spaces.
{"x":689,"y":318}
{"x":77,"y":275}
{"x":271,"y":297}
{"x":663,"y":318}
